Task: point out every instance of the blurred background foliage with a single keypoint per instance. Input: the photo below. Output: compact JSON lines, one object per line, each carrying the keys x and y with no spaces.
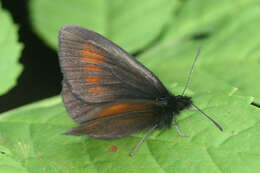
{"x":138,"y":27}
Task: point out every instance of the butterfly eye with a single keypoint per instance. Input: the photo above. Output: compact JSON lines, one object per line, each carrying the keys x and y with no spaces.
{"x":183,"y":102}
{"x":181,"y":106}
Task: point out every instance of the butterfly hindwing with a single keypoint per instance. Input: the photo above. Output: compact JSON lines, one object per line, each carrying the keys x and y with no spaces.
{"x":74,"y":106}
{"x":96,"y":70}
{"x":119,"y":119}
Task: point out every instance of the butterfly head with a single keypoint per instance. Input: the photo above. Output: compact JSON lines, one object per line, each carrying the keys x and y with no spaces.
{"x":176,"y":103}
{"x":172,"y":106}
{"x":182,"y":102}
{"x":179,"y":103}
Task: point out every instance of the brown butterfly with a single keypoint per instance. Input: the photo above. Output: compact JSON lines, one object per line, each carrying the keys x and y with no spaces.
{"x":109,"y":93}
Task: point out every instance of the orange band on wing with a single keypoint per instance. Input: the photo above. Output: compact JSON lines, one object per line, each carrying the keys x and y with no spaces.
{"x":123,"y":108}
{"x":90,"y":46}
{"x":88,"y":128}
{"x":88,"y":110}
{"x":92,"y":79}
{"x":96,"y":90}
{"x":92,"y":52}
{"x":92,"y":68}
{"x":92,"y":59}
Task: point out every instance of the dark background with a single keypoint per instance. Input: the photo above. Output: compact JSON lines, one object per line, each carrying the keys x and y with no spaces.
{"x":41,"y":77}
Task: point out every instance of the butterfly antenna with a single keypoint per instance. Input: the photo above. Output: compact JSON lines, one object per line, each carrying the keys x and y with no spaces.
{"x":191,"y":70}
{"x":213,"y":121}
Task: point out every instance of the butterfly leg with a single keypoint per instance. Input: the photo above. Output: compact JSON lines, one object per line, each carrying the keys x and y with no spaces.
{"x":177,"y":128}
{"x":142,"y":140}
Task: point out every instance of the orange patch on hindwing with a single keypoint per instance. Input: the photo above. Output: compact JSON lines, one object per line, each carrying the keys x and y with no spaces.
{"x":91,"y":126}
{"x":96,"y":90}
{"x":123,"y":108}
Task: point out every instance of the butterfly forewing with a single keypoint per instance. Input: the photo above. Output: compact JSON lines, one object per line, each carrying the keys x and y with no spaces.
{"x":97,"y":70}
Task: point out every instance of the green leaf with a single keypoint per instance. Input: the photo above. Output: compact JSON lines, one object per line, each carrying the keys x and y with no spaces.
{"x":10,"y":51}
{"x":196,"y":17}
{"x":229,"y":58}
{"x":125,"y":22}
{"x":7,"y":163}
{"x":32,"y":135}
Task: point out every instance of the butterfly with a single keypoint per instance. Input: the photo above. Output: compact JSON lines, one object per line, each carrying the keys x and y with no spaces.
{"x":109,"y":93}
